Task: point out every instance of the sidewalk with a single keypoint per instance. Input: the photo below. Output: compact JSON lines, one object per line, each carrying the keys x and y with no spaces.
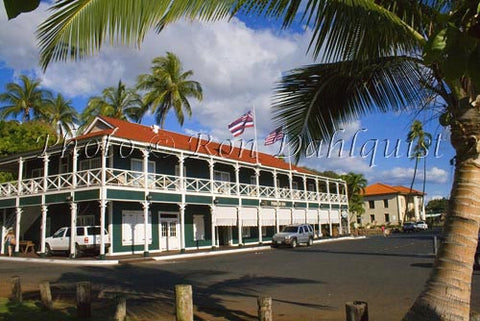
{"x":164,"y":256}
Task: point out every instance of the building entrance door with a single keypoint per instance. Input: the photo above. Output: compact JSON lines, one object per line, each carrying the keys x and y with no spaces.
{"x":169,"y":234}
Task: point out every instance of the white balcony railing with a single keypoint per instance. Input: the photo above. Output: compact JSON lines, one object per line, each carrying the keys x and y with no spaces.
{"x":162,"y":182}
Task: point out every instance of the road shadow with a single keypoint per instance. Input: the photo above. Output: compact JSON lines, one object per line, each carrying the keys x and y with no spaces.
{"x":150,"y":291}
{"x":413,"y":255}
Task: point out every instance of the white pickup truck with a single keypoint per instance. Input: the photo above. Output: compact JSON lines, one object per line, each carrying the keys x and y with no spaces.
{"x":87,"y":238}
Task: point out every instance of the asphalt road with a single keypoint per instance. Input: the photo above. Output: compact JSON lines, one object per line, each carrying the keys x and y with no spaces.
{"x":306,"y":283}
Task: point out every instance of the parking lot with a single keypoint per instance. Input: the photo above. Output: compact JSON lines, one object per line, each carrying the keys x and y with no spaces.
{"x":306,"y":283}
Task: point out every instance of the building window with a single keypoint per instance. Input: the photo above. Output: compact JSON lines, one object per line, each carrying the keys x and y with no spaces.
{"x":37,"y":172}
{"x":246,"y":231}
{"x":221,"y":176}
{"x":372,"y":218}
{"x":371,"y":204}
{"x":177,"y":170}
{"x":90,"y":163}
{"x":359,"y":219}
{"x":198,"y":228}
{"x":387,"y":218}
{"x":311,"y":187}
{"x":295,"y":185}
{"x":137,"y":165}
{"x":253,"y":179}
{"x":385,"y":203}
{"x":264,"y":231}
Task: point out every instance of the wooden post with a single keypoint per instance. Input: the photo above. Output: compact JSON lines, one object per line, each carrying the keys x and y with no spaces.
{"x":84,"y":300}
{"x":265,"y":308}
{"x":16,"y":290}
{"x":357,"y":311}
{"x":120,"y":308}
{"x":184,"y":302}
{"x":46,"y":295}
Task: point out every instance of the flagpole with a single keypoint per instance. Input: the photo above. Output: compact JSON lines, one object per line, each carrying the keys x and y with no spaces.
{"x":255,"y":133}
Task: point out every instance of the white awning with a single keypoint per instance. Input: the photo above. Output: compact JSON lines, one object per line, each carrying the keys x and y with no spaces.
{"x":267,"y":216}
{"x":312,"y":217}
{"x":324,"y":217}
{"x":225,"y":216}
{"x":298,"y":216}
{"x":284,"y":216}
{"x":249,"y":216}
{"x":335,"y":216}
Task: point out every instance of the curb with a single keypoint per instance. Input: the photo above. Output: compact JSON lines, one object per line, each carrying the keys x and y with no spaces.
{"x":57,"y":261}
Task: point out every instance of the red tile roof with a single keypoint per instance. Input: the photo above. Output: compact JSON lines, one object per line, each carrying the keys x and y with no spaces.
{"x":141,"y":133}
{"x":383,"y":189}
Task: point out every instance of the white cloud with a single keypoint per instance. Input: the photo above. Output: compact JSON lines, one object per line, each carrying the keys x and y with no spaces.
{"x":404,"y":175}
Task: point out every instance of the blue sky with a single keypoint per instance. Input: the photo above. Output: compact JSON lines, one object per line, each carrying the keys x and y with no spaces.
{"x":237,"y":64}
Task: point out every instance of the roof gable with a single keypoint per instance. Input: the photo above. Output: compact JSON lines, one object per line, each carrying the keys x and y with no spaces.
{"x":384,"y":189}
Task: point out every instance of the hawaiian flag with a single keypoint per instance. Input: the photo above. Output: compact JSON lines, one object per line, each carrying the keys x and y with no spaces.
{"x":237,"y":127}
{"x":274,"y":136}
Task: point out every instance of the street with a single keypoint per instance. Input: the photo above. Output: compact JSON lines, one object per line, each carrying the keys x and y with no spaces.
{"x":306,"y":283}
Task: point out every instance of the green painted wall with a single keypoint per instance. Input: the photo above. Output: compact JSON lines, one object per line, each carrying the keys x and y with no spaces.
{"x":198,"y":199}
{"x":191,"y":210}
{"x":125,"y":195}
{"x":28,"y":201}
{"x":313,"y":205}
{"x":90,"y":195}
{"x":251,"y":202}
{"x":56,"y":198}
{"x":7,"y":203}
{"x":227,"y":201}
{"x":166,"y":197}
{"x":116,"y":236}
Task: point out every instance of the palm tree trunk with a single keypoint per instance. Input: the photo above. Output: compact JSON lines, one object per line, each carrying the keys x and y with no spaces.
{"x":448,"y":290}
{"x":409,"y":196}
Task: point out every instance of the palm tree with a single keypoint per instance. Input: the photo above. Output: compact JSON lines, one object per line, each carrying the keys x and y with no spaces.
{"x":422,"y":140}
{"x":25,"y":99}
{"x":356,"y":184}
{"x":60,"y":113}
{"x":168,"y":87}
{"x":116,"y":102}
{"x":376,"y":56}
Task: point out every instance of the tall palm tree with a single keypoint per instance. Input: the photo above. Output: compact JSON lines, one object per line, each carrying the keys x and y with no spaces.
{"x":168,"y":87}
{"x":25,"y":99}
{"x":423,"y":141}
{"x":60,"y":113}
{"x":376,"y":55}
{"x":116,"y":102}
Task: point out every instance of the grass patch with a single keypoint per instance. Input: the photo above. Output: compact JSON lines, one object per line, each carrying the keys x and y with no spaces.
{"x":33,"y":311}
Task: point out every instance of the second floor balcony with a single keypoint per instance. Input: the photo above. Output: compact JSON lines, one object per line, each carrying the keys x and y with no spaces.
{"x":135,"y":180}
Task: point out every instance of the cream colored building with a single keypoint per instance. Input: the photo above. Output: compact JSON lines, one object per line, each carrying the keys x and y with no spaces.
{"x":391,"y":205}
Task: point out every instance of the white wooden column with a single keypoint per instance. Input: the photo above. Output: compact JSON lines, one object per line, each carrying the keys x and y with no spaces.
{"x":18,"y":210}
{"x":73,"y":228}
{"x":4,"y":231}
{"x":18,"y":219}
{"x":110,"y":226}
{"x":212,"y":214}
{"x":43,"y":229}
{"x":305,"y":190}
{"x":103,"y":196}
{"x":146,"y":203}
{"x":44,"y":208}
{"x":146,"y":208}
{"x":275,"y":186}
{"x":239,"y":207}
{"x":211,"y":165}
{"x":329,"y":209}
{"x":259,"y":221}
{"x":182,"y":205}
{"x":340,"y":225}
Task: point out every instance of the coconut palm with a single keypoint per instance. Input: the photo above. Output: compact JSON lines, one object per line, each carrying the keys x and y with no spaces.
{"x":60,"y":113}
{"x":356,"y":184}
{"x":116,"y":102}
{"x":168,"y":87}
{"x":25,"y":99}
{"x":422,"y":141}
{"x":376,"y":56}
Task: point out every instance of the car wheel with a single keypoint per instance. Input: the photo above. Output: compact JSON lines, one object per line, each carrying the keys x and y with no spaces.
{"x":310,"y":241}
{"x":48,"y":250}
{"x":294,"y":243}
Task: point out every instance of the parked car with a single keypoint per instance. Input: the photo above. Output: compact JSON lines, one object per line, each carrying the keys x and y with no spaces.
{"x":292,"y":235}
{"x":408,"y":227}
{"x":87,"y":239}
{"x":421,"y":225}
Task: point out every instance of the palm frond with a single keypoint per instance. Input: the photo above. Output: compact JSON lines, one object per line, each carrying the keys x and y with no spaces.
{"x":311,"y":102}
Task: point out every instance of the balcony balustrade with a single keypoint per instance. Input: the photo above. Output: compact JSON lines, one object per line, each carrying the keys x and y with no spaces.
{"x":160,"y":182}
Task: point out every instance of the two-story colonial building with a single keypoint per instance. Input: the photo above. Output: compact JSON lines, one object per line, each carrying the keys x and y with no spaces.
{"x":385,"y":204}
{"x":155,"y":190}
